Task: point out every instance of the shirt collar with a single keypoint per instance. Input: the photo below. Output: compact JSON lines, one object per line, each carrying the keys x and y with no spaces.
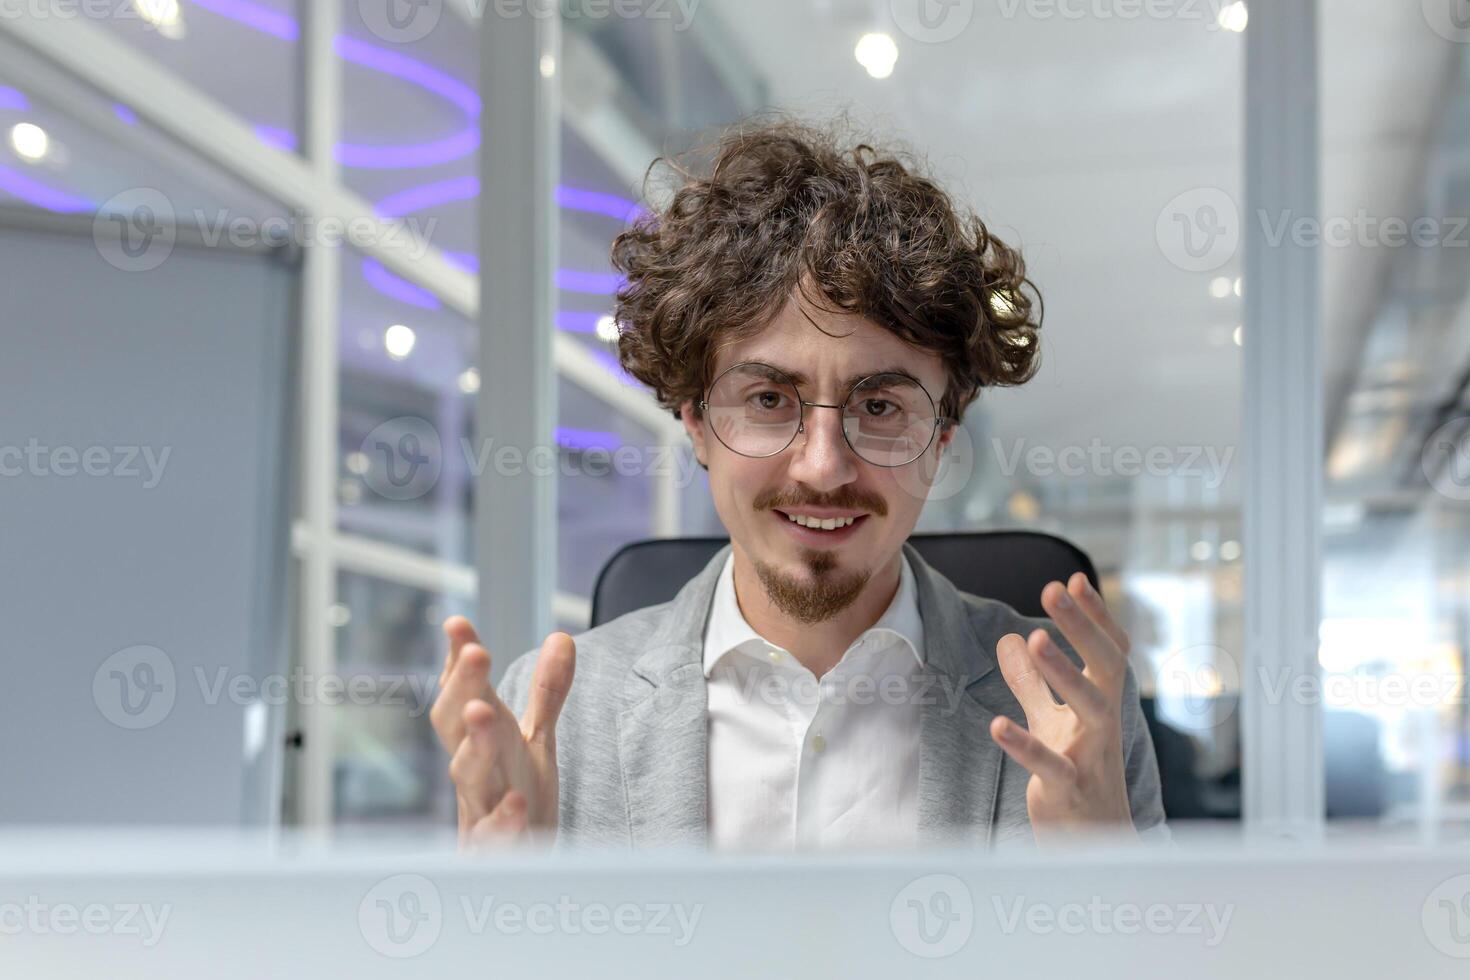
{"x":726,"y":629}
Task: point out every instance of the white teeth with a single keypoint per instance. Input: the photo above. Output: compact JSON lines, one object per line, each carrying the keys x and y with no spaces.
{"x":822,"y":524}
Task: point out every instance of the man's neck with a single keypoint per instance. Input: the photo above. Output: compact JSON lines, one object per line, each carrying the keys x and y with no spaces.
{"x":816,"y":646}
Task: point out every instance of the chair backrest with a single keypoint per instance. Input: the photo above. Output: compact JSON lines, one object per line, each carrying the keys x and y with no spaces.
{"x":1011,"y":566}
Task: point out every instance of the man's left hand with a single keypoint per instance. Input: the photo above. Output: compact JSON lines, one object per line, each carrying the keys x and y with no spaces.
{"x":1074,"y":751}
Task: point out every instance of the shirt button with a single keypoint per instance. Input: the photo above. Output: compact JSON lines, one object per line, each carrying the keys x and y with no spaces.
{"x":818,"y":743}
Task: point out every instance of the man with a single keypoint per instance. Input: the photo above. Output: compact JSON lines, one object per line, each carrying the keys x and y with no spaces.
{"x":819,"y":318}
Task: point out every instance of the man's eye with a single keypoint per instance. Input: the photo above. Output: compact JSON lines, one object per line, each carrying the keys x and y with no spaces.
{"x":768,"y":400}
{"x":878,"y":407}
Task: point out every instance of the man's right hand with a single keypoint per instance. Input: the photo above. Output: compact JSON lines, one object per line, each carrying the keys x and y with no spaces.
{"x":504,"y":771}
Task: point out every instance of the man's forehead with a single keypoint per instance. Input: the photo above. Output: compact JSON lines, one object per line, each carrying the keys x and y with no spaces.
{"x":846,"y":347}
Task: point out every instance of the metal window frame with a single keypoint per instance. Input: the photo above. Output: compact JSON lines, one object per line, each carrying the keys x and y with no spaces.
{"x":1281,"y":428}
{"x":1282,"y":416}
{"x":312,"y":185}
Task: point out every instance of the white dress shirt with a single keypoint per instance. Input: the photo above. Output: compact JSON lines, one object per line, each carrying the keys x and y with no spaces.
{"x":797,"y":762}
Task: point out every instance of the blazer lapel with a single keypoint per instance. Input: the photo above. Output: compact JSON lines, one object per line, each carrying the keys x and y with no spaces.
{"x":959,"y":763}
{"x":663,"y":733}
{"x":663,"y":728}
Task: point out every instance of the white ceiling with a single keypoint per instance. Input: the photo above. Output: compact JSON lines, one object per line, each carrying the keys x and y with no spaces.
{"x":1069,"y":136}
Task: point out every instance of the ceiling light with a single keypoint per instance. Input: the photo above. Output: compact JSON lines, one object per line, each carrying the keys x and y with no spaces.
{"x":548,"y":66}
{"x":469,"y":381}
{"x":877,"y":53}
{"x":1023,"y":506}
{"x":163,"y":15}
{"x":29,"y":141}
{"x":1234,"y":16}
{"x":398,"y":340}
{"x":1238,"y":336}
{"x":1220,"y":287}
{"x":339,"y":615}
{"x":358,"y":462}
{"x":1229,"y":550}
{"x":1201,"y":551}
{"x":1238,"y":286}
{"x":607,"y":329}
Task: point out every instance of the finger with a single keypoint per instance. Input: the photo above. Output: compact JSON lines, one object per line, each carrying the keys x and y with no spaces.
{"x":1023,"y":676}
{"x":506,"y":820}
{"x":458,"y":631}
{"x":550,"y":685}
{"x":1075,"y":688}
{"x":1029,"y":751}
{"x":1080,"y":589}
{"x":476,"y":776}
{"x":1098,"y":651}
{"x":468,"y":681}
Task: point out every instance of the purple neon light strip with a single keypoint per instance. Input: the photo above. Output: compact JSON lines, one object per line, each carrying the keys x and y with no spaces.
{"x":577,"y":321}
{"x":585,"y":439}
{"x":426,"y":196}
{"x":593,"y":283}
{"x":596,"y":202}
{"x":127,"y":115}
{"x":384,"y":61}
{"x":274,"y":136}
{"x":394,"y":287}
{"x":13,"y":98}
{"x":255,"y":17}
{"x":47,"y":198}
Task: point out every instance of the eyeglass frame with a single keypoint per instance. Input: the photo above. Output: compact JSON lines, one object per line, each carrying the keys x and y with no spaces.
{"x":940,"y":421}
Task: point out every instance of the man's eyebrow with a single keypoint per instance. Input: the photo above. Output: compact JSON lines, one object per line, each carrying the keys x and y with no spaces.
{"x":801,"y":379}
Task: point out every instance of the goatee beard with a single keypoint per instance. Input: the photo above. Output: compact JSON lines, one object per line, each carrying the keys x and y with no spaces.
{"x":812,"y":601}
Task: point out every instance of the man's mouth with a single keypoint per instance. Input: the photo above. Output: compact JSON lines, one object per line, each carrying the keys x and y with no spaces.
{"x":810,"y":525}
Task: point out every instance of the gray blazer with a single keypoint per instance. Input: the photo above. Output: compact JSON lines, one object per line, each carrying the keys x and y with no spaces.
{"x":633,"y":735}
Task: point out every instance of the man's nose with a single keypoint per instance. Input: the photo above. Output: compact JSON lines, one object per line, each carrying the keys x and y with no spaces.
{"x":822,"y":458}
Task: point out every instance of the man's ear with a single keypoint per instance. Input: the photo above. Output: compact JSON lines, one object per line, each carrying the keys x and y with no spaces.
{"x":946,"y":435}
{"x":694,"y":425}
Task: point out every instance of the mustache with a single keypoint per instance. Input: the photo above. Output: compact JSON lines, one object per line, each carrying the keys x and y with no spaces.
{"x":847,"y":498}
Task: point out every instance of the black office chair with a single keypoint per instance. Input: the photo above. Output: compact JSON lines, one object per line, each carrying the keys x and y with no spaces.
{"x":1011,"y":566}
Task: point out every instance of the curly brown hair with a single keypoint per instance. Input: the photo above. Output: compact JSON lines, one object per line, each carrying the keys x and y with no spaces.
{"x":785,"y":206}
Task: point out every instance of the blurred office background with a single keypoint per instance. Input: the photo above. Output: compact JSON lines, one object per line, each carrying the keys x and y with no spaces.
{"x":1069,"y":134}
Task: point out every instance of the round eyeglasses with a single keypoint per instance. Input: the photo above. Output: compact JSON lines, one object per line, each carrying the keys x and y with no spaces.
{"x":756,"y":410}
